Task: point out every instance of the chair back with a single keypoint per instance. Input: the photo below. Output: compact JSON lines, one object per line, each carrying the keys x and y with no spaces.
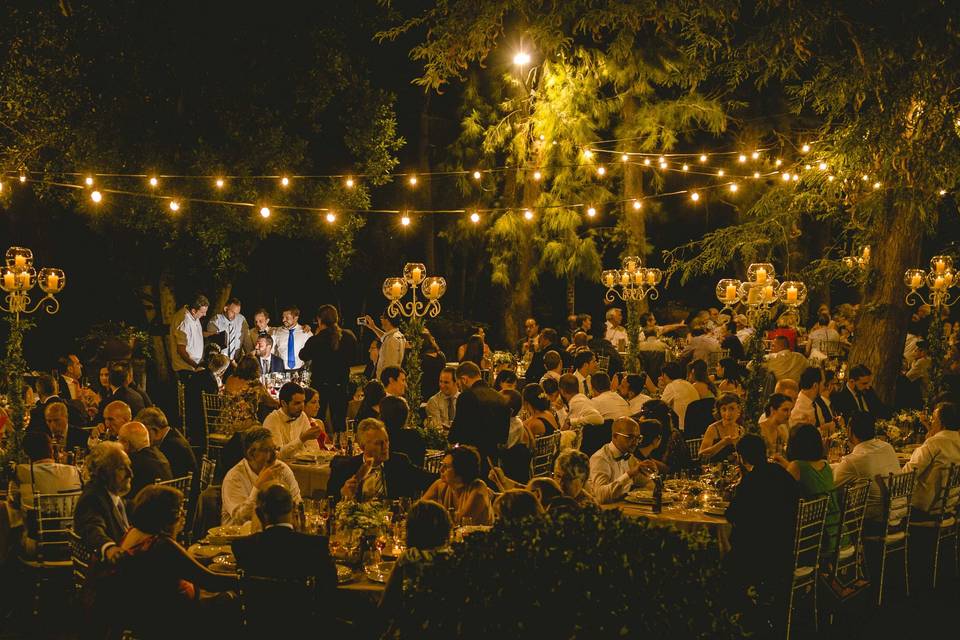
{"x":183,"y":483}
{"x":693,"y":448}
{"x":262,"y":599}
{"x":50,"y":521}
{"x":853,"y":503}
{"x":831,"y":348}
{"x":208,"y":469}
{"x":544,"y":453}
{"x":182,"y":405}
{"x":896,"y":490}
{"x":594,"y":436}
{"x":82,"y":558}
{"x":945,"y":507}
{"x":811,"y":516}
{"x":698,"y":417}
{"x":432,"y":462}
{"x":714,"y":358}
{"x":603,"y":363}
{"x":212,"y":408}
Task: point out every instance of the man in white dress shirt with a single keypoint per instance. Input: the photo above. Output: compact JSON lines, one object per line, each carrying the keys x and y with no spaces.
{"x":701,"y":345}
{"x":869,"y":458}
{"x":805,"y":409}
{"x":677,"y":392}
{"x":258,"y":470}
{"x":394,"y":381}
{"x":289,"y":339}
{"x":236,"y":331}
{"x":933,"y":458}
{"x":442,"y":406}
{"x":616,"y":333}
{"x":290,"y":425}
{"x":613,"y":469}
{"x":392,"y":342}
{"x":261,"y":326}
{"x":580,"y":410}
{"x":631,"y":388}
{"x":187,"y":334}
{"x":584,"y":364}
{"x":608,"y":402}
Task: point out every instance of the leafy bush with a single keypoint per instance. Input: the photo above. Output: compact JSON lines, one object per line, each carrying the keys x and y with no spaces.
{"x":584,"y":574}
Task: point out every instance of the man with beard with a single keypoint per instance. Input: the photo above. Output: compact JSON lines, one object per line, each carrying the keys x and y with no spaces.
{"x":290,"y":426}
{"x":100,"y":518}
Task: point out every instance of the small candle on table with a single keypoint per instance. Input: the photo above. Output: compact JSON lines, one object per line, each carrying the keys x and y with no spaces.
{"x":637,"y":277}
{"x":938,"y":283}
{"x":24,"y":280}
{"x":624,"y":278}
{"x":651,"y":277}
{"x":731,"y":294}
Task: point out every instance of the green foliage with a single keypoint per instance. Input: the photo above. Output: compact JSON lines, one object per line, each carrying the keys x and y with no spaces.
{"x":585,"y":574}
{"x":14,"y":370}
{"x":101,"y":332}
{"x":413,"y":360}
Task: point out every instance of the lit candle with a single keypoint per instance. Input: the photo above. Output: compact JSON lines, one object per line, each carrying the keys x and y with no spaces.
{"x":791,"y":294}
{"x":624,"y":278}
{"x":608,"y":279}
{"x":637,"y":277}
{"x":9,"y":280}
{"x":753,"y":295}
{"x":434,"y":289}
{"x":415,"y":275}
{"x":866,"y":253}
{"x":20,"y":261}
{"x":941,"y":265}
{"x":915,"y":281}
{"x":761,"y":275}
{"x":731,"y":293}
{"x":53,"y":281}
{"x":938,"y":283}
{"x":395,"y":290}
{"x":24,"y":280}
{"x":768,"y":293}
{"x":651,"y":277}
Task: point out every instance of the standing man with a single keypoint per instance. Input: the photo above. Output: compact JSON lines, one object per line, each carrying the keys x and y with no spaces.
{"x":442,"y":406}
{"x":482,"y":418}
{"x":528,"y":344}
{"x":290,"y":338}
{"x":392,"y":343}
{"x":261,"y":326}
{"x":235,"y":330}
{"x":71,"y":372}
{"x":548,"y":341}
{"x":187,"y":334}
{"x":616,"y":333}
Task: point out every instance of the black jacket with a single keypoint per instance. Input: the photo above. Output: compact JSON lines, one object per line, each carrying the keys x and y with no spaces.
{"x":482,"y":420}
{"x":149,"y":465}
{"x":76,"y":437}
{"x":96,"y":520}
{"x":275,"y":366}
{"x":843,"y":403}
{"x":402,"y":479}
{"x":133,"y":399}
{"x":178,"y":453}
{"x":76,"y":412}
{"x":536,"y":370}
{"x":329,"y":366}
{"x":281,"y":552}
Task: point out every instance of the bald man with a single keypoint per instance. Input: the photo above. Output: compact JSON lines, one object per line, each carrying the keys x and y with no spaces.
{"x":115,"y":415}
{"x":148,"y":463}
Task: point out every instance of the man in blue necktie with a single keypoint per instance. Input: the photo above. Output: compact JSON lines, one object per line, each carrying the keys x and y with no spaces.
{"x":290,"y":338}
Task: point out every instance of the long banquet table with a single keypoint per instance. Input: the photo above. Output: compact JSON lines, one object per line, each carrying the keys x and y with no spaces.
{"x":683,"y":519}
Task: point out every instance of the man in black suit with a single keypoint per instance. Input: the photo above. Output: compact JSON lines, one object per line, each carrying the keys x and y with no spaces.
{"x":118,"y":379}
{"x":169,"y":441}
{"x":280,"y":552}
{"x":482,"y":418}
{"x":48,"y":393}
{"x":547,"y":341}
{"x":100,"y":518}
{"x":56,"y":424}
{"x":858,"y":395}
{"x":269,"y":362}
{"x":148,"y":463}
{"x":69,"y":373}
{"x":375,"y":474}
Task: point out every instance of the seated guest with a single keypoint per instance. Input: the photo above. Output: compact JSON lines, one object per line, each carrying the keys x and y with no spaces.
{"x":48,"y":392}
{"x":160,"y":579}
{"x":808,"y":466}
{"x":613,"y":470}
{"x":677,"y":392}
{"x":631,"y":389}
{"x":773,"y":424}
{"x":808,"y":407}
{"x":763,"y":512}
{"x":258,"y":470}
{"x":375,"y":474}
{"x":869,"y":458}
{"x":442,"y":406}
{"x":461,"y":488}
{"x":730,"y":342}
{"x":515,"y":505}
{"x":506,"y":380}
{"x":115,"y":415}
{"x":572,"y":473}
{"x":553,"y":365}
{"x":720,"y":440}
{"x":394,"y":380}
{"x":698,"y":377}
{"x":933,"y":458}
{"x":580,"y":409}
{"x":787,"y":387}
{"x":483,"y":418}
{"x":858,"y":395}
{"x":671,"y":455}
{"x":584,"y":366}
{"x":149,"y":465}
{"x":730,"y":376}
{"x":245,"y":398}
{"x":517,"y":433}
{"x":373,"y":393}
{"x":547,"y":342}
{"x":544,"y":489}
{"x":551,"y":387}
{"x":280,"y":552}
{"x":701,"y":344}
{"x":608,"y":402}
{"x":783,"y":362}
{"x":119,"y":377}
{"x":169,"y":441}
{"x":541,"y":420}
{"x":394,"y":413}
{"x":56,"y":424}
{"x":267,"y":360}
{"x":100,"y":518}
{"x":651,"y":435}
{"x":290,"y":426}
{"x":43,"y":474}
{"x":311,"y":407}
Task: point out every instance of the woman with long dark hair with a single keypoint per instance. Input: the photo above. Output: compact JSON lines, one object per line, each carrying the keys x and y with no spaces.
{"x":330,"y":352}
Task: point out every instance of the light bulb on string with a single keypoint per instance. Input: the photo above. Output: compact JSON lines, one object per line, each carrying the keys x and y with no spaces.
{"x":542,"y":137}
{"x":778,"y":162}
{"x":646,"y":161}
{"x":1,"y":187}
{"x":264,"y":212}
{"x":405,"y":220}
{"x":601,"y":170}
{"x":829,"y":178}
{"x":686,"y":167}
{"x":528,"y":215}
{"x":476,"y":175}
{"x":174,"y":205}
{"x":822,"y":166}
{"x":637,"y":205}
{"x":865,"y":177}
{"x":23,"y":178}
{"x":349,"y":183}
{"x":805,"y":148}
{"x":703,"y":157}
{"x":591,"y":212}
{"x":756,"y":174}
{"x":624,"y":157}
{"x":733,"y":187}
{"x":807,"y":167}
{"x":219,"y":183}
{"x":88,"y":181}
{"x":284,"y":181}
{"x":331,"y":217}
{"x":942,"y":192}
{"x":96,"y":196}
{"x":876,"y":185}
{"x":153,"y":182}
{"x":587,"y":154}
{"x":412,"y":181}
{"x":741,"y":158}
{"x":720,"y":173}
{"x":695,"y":196}
{"x":795,"y":177}
{"x":474,"y":217}
{"x":521,"y":58}
{"x":786,"y":176}
{"x":537,"y":175}
{"x":755,"y":155}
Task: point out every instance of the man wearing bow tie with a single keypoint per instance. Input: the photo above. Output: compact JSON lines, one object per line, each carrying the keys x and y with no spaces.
{"x":290,"y":426}
{"x":613,"y":469}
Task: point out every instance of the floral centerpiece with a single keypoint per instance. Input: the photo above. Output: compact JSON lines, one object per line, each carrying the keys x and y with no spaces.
{"x":500,"y":360}
{"x":369,"y":518}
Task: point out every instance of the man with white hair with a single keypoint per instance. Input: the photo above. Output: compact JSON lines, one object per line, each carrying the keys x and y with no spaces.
{"x":115,"y":415}
{"x":616,"y":333}
{"x":258,"y":470}
{"x":100,"y":518}
{"x":148,"y":464}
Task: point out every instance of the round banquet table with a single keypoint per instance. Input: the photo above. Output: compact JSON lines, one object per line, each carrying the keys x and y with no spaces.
{"x":312,"y":478}
{"x":689,"y":520}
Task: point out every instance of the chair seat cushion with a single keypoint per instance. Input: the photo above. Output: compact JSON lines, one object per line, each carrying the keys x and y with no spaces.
{"x":946,"y":524}
{"x":801,"y":572}
{"x":846,"y":552}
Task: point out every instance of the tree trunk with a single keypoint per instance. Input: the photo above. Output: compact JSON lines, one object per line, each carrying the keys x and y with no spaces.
{"x":634,"y":221}
{"x":571,"y":295}
{"x":425,"y":200}
{"x":219,"y":300}
{"x":151,"y":308}
{"x":882,"y":325}
{"x":164,"y":345}
{"x":519,"y":304}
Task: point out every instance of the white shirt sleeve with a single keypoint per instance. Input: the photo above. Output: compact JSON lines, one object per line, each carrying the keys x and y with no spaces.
{"x":583,"y":412}
{"x":603,"y":486}
{"x":239,"y":499}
